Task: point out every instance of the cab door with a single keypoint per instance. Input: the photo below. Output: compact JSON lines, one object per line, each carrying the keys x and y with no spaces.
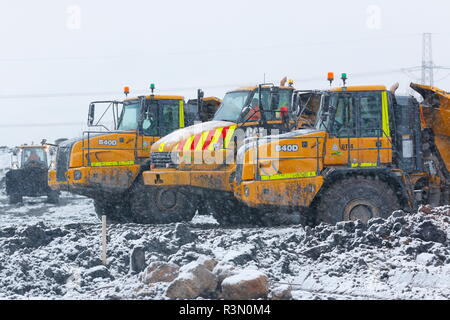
{"x":342,"y":142}
{"x":374,"y":144}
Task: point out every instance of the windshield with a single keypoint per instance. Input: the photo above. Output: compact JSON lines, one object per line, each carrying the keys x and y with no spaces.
{"x":34,"y":155}
{"x":232,"y":105}
{"x":129,"y":117}
{"x":234,"y":102}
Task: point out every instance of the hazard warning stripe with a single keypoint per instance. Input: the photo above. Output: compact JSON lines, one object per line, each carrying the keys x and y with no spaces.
{"x":229,"y":135}
{"x":201,"y":141}
{"x":196,"y":140}
{"x":215,"y":139}
{"x":209,"y":139}
{"x":188,"y":144}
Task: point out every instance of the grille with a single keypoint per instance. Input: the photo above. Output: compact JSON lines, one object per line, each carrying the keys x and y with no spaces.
{"x":161,"y":160}
{"x":62,"y":163}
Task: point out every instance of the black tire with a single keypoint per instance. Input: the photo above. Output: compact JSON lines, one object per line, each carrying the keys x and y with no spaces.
{"x":229,"y":211}
{"x":354,"y":198}
{"x":115,"y":210}
{"x":162,"y":205}
{"x":15,"y":198}
{"x":53,"y":197}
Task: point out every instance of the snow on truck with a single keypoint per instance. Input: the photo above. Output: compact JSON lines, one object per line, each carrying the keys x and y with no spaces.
{"x":370,"y":152}
{"x":106,"y":164}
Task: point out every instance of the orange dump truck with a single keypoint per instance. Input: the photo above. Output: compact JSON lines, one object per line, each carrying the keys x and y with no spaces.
{"x":198,"y":162}
{"x":106,"y":165}
{"x":371,"y":152}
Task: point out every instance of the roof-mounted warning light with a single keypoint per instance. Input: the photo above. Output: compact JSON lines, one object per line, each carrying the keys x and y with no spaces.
{"x":126,"y":91}
{"x":152,"y":87}
{"x":290,"y":83}
{"x":330,"y":77}
{"x":344,"y":78}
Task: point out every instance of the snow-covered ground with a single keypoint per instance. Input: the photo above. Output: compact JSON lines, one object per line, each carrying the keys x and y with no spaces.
{"x":53,"y":252}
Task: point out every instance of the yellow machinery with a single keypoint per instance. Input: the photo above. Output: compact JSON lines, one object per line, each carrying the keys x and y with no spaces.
{"x":371,"y":152}
{"x":28,"y":174}
{"x":198,"y":162}
{"x":106,"y":165}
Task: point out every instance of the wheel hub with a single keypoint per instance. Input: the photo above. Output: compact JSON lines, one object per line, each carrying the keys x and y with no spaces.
{"x":361,"y":209}
{"x":166,"y":199}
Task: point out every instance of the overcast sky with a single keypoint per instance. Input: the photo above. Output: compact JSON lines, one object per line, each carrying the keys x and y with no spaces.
{"x":57,"y":56}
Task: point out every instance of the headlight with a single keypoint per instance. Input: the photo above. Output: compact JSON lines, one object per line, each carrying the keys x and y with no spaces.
{"x":52,"y":165}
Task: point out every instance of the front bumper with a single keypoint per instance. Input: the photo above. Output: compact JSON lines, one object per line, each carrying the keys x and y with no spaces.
{"x":216,"y":180}
{"x":285,"y":193}
{"x":89,"y":181}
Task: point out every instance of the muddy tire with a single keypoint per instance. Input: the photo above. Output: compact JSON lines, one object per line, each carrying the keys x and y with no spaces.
{"x":53,"y":197}
{"x":355,"y":198}
{"x":116,"y":211}
{"x":230,"y":212}
{"x":15,"y":198}
{"x":161,"y":205}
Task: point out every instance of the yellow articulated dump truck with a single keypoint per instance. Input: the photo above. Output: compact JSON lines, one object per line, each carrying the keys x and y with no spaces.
{"x":105,"y":164}
{"x":371,"y":152}
{"x":199,"y":161}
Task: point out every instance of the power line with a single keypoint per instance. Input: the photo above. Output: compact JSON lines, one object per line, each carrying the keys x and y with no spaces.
{"x":202,"y":51}
{"x":54,"y":124}
{"x":218,"y":86}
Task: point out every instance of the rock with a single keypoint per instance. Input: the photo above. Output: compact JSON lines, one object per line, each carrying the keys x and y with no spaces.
{"x":193,"y":281}
{"x":428,"y":231}
{"x":359,"y":225}
{"x":427,"y":209}
{"x":160,"y":272}
{"x":137,"y":259}
{"x":375,"y":221}
{"x":426,"y":259}
{"x":282,"y":292}
{"x":97,"y":272}
{"x":245,"y":285}
{"x":241,"y":257}
{"x":382,"y":230}
{"x":398,"y":213}
{"x":224,"y":270}
{"x":348,"y":226}
{"x":60,"y":276}
{"x":34,"y":236}
{"x":316,"y":251}
{"x":208,"y":262}
{"x":183,"y":234}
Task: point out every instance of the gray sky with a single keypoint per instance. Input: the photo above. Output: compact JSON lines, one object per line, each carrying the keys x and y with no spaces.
{"x":81,"y":51}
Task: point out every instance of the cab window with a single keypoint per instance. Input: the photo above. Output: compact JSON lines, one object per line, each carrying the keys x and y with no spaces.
{"x":370,"y":109}
{"x":344,"y":124}
{"x":169,"y":117}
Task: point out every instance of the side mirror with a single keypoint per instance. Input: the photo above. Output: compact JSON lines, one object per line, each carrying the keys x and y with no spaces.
{"x":244,"y":112}
{"x":91,"y":114}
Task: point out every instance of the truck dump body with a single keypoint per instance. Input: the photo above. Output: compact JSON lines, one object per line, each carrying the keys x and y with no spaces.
{"x":435,"y":115}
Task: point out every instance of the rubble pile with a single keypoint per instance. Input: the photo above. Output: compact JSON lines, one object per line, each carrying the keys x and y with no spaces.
{"x":406,"y":256}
